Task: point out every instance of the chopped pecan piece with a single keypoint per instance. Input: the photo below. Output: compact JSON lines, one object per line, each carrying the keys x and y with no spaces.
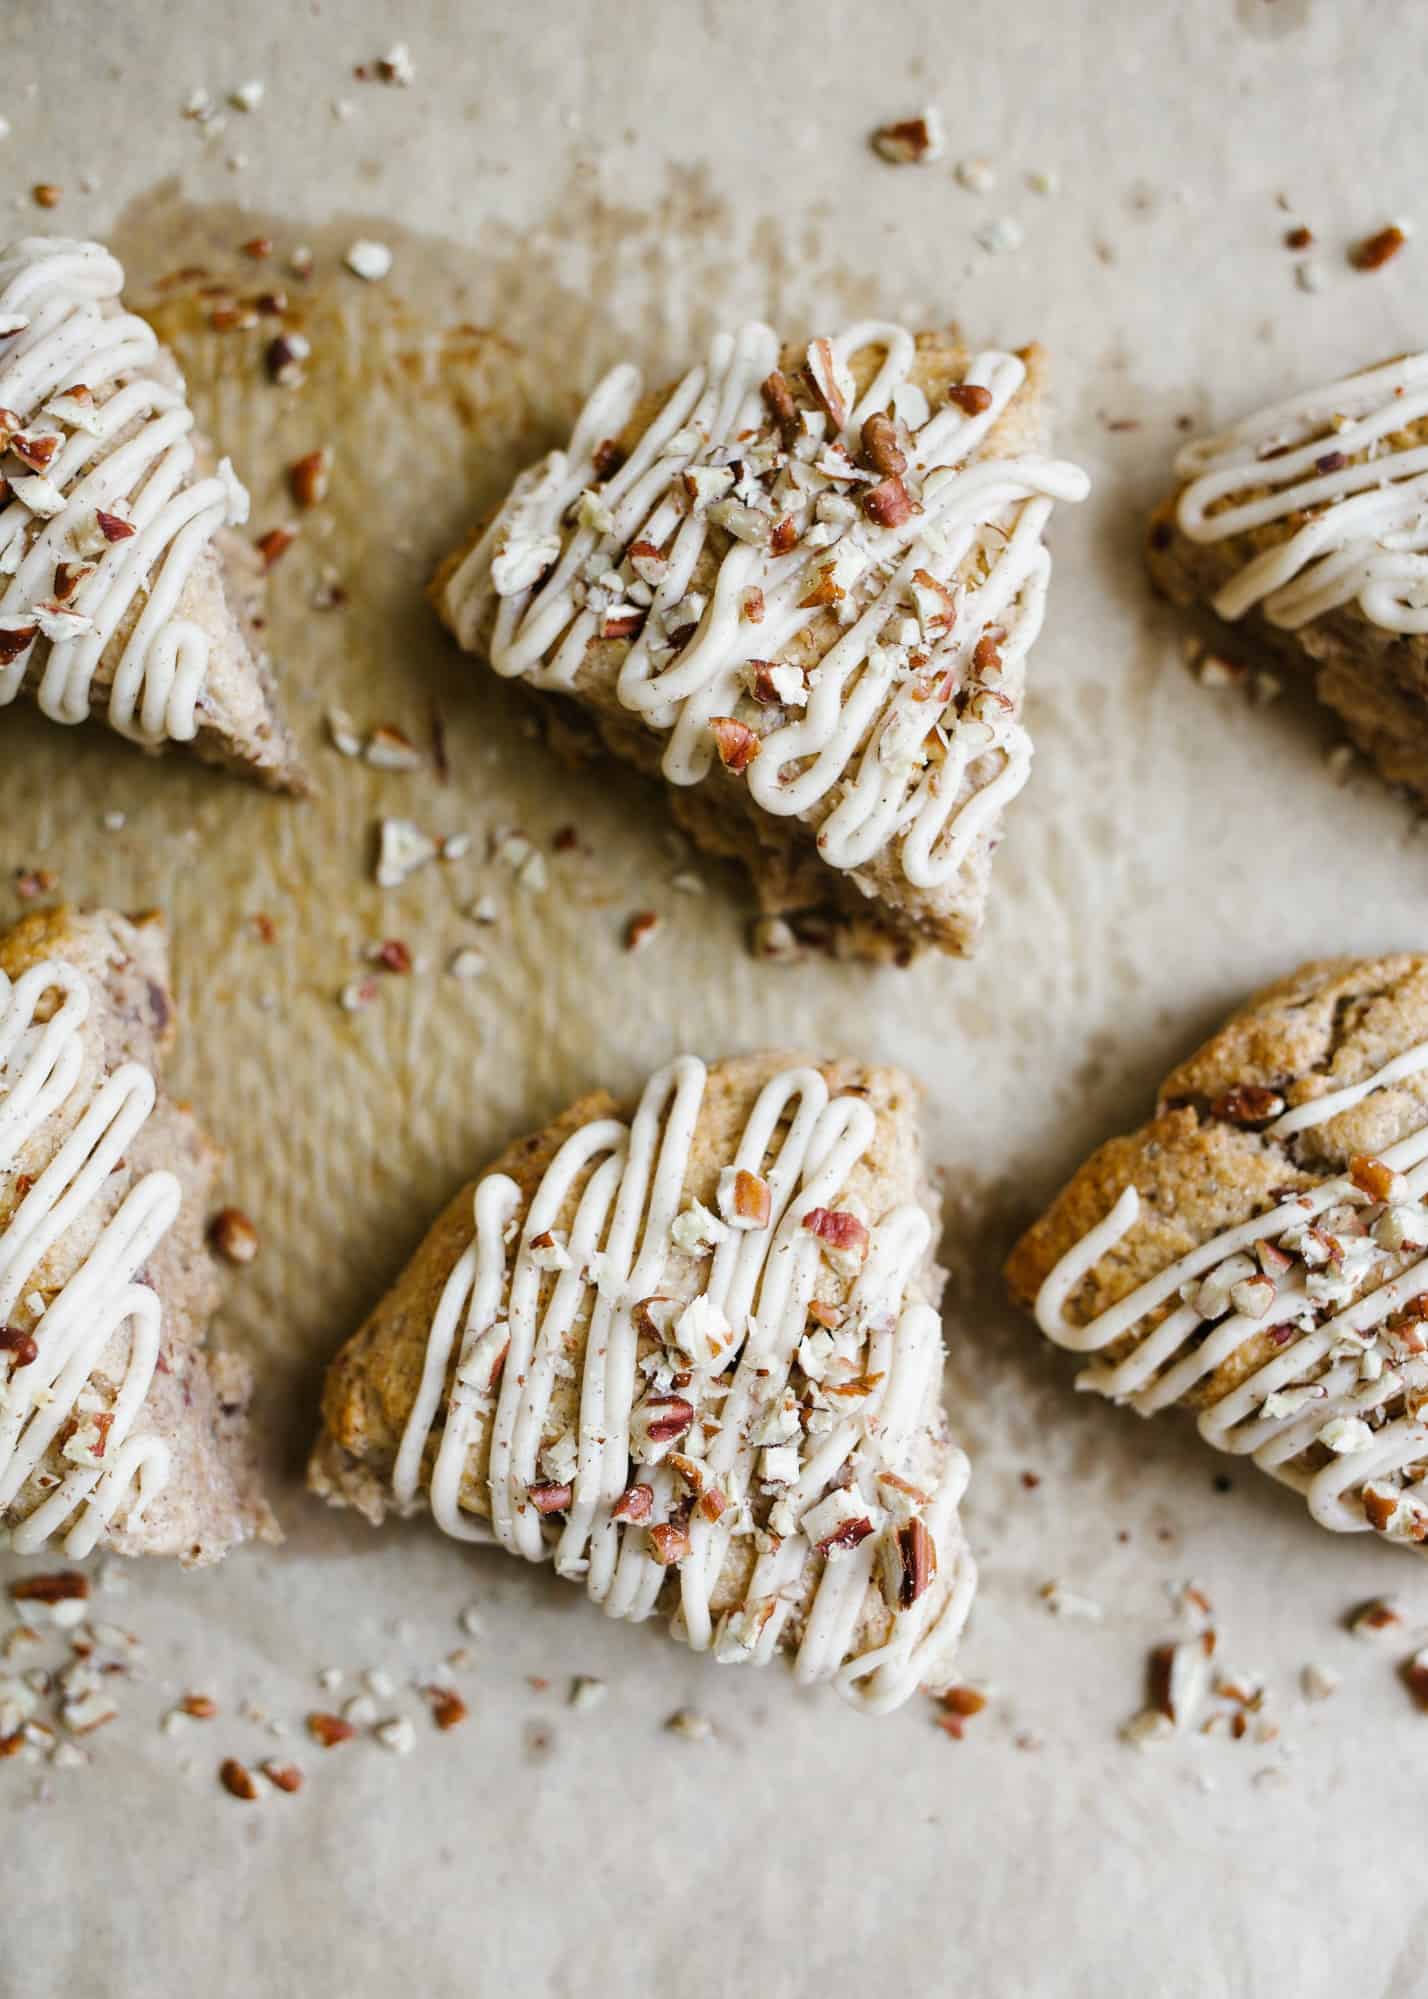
{"x":838,"y":1228}
{"x":881,"y":447}
{"x":237,"y":1779}
{"x":329,"y":1729}
{"x":735,"y":741}
{"x":669,"y":1542}
{"x":782,"y":408}
{"x":909,"y":1564}
{"x":970,"y":397}
{"x":1372,"y":1177}
{"x":548,"y":1497}
{"x":1247,"y":1103}
{"x":233,"y":1236}
{"x":1377,"y":249}
{"x":308,"y":477}
{"x":888,"y":503}
{"x":56,"y":1587}
{"x":634,"y":1504}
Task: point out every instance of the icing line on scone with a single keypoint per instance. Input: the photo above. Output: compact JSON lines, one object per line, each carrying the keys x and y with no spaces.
{"x":893,"y":677}
{"x":76,"y":377}
{"x":49,"y":1400}
{"x":1328,"y":448}
{"x":505,"y":1322}
{"x":1335,"y":1375}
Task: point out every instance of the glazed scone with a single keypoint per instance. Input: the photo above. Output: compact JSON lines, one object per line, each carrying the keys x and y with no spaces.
{"x":1258,"y":1252}
{"x":124,"y":593}
{"x":691,"y":1353}
{"x":800,"y":584}
{"x":1306,"y":528}
{"x":116,"y":1429}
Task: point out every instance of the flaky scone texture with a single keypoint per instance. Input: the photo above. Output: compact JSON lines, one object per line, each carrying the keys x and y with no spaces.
{"x":239,"y":725}
{"x":1201,"y":1165}
{"x":197,"y":1402}
{"x":1374,"y":680}
{"x":872,"y":913}
{"x":373,"y":1382}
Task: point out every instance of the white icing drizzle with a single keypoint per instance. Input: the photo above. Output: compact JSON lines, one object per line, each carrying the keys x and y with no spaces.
{"x":899,"y":685}
{"x":108,"y":1468}
{"x":511,"y":1318}
{"x":78,"y":373}
{"x":1337,"y":1365}
{"x":1327,"y":449}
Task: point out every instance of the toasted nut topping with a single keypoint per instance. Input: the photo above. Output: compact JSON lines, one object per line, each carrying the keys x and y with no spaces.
{"x":308,"y":477}
{"x":114,"y":527}
{"x":656,"y":1424}
{"x":634,"y":1503}
{"x":1372,"y":1177}
{"x":838,"y":1228}
{"x":237,"y":1779}
{"x":888,"y":503}
{"x":1247,"y":1103}
{"x":880,"y":445}
{"x":669,"y":1542}
{"x":15,"y":639}
{"x":828,"y":381}
{"x":847,"y":1534}
{"x":827,"y":590}
{"x":745,"y":1199}
{"x":735,"y":741}
{"x":329,"y":1729}
{"x":47,"y":194}
{"x":233,"y":1235}
{"x":548,"y":1497}
{"x":286,"y":1776}
{"x":909,"y":1564}
{"x":970,"y":397}
{"x":23,"y":1348}
{"x":201,"y":1706}
{"x":782,"y":407}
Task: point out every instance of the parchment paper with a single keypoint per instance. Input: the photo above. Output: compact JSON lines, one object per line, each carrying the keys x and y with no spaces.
{"x":587,"y":182}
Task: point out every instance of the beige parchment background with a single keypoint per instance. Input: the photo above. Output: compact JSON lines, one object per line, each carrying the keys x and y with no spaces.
{"x":562,"y":185}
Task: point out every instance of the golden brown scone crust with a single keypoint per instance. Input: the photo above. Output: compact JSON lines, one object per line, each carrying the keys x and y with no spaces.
{"x":196,"y":1403}
{"x":239,"y":724}
{"x":373,"y":1382}
{"x":1375,"y":681}
{"x":824,"y":905}
{"x":1333,"y":1022}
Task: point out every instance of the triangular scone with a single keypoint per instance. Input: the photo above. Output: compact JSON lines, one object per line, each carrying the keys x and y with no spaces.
{"x":115,"y":1428}
{"x":801,"y":583}
{"x":123,"y":593}
{"x":1306,"y":528}
{"x":1257,"y":1252}
{"x":691,"y":1353}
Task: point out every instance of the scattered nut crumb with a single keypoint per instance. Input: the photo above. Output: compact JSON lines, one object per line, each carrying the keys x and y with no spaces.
{"x":233,"y":1236}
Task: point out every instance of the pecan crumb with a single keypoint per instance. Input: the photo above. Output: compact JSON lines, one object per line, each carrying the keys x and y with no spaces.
{"x":1376,"y":250}
{"x":233,"y":1236}
{"x":237,"y":1779}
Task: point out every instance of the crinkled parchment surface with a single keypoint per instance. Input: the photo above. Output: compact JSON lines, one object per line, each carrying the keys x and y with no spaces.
{"x":561,"y":186}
